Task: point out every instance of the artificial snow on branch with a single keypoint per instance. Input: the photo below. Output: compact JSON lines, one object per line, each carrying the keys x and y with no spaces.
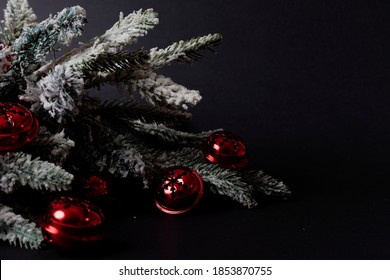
{"x":157,"y":89}
{"x":55,"y":147}
{"x":112,"y":68}
{"x":18,"y":16}
{"x":19,"y":231}
{"x":19,"y":169}
{"x":34,"y":43}
{"x":183,"y":51}
{"x":124,"y":32}
{"x":58,"y":93}
{"x":169,"y":134}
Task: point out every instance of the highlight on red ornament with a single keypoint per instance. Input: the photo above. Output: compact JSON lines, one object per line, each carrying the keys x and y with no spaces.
{"x":18,"y":126}
{"x":178,"y":190}
{"x":70,"y":223}
{"x":225,"y":149}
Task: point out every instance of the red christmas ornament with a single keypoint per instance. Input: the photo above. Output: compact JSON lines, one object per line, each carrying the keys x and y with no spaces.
{"x":179,"y":190}
{"x":225,"y":149}
{"x":70,"y":223}
{"x":18,"y":126}
{"x":95,"y":186}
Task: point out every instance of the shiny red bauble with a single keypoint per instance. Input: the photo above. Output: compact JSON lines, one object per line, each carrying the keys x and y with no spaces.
{"x":18,"y":126}
{"x":179,"y":190}
{"x":225,"y":149}
{"x":71,"y":223}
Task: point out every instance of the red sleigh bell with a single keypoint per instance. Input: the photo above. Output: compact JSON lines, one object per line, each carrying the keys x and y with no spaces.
{"x":18,"y":126}
{"x":70,"y":223}
{"x":225,"y":149}
{"x":179,"y":190}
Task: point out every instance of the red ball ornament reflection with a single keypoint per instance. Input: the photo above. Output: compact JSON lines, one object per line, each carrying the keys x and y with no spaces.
{"x":225,"y":149}
{"x":95,"y":186}
{"x":179,"y":190}
{"x":18,"y":126}
{"x":70,"y":223}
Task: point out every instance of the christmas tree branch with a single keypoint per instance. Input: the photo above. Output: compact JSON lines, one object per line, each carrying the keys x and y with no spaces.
{"x":113,"y":68}
{"x":124,"y":32}
{"x":130,"y":108}
{"x":169,"y":134}
{"x":19,"y":231}
{"x":19,"y":169}
{"x":36,"y":42}
{"x":183,"y":51}
{"x":53,"y":147}
{"x":58,"y":93}
{"x":157,"y":89}
{"x":221,"y":181}
{"x":18,"y":16}
{"x":265,"y":183}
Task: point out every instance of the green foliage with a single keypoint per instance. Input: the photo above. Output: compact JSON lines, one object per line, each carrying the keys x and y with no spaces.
{"x":168,"y":134}
{"x":18,"y":16}
{"x":184,"y":51}
{"x":34,"y":43}
{"x":20,"y":169}
{"x":19,"y":231}
{"x":113,"y":68}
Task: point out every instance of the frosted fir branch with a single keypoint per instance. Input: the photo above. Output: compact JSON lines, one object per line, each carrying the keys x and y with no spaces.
{"x":113,"y":68}
{"x":127,"y":30}
{"x":129,"y":108}
{"x":124,"y":32}
{"x":221,"y":181}
{"x":58,"y":93}
{"x":183,"y":51}
{"x":55,"y":147}
{"x":111,"y":63}
{"x":266,"y":184}
{"x":18,"y":16}
{"x":160,"y":90}
{"x":19,"y":231}
{"x":125,"y":161}
{"x":34,"y":43}
{"x":20,"y":169}
{"x":169,"y":134}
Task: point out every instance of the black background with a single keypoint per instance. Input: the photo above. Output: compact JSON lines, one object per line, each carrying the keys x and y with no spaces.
{"x":307,"y":85}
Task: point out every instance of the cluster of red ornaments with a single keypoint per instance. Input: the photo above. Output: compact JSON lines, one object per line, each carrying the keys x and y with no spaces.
{"x":181,"y":188}
{"x":18,"y":126}
{"x":71,"y":222}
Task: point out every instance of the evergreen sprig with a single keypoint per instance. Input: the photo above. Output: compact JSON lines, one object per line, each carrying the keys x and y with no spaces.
{"x":34,"y":43}
{"x":19,"y":168}
{"x":19,"y":231}
{"x":168,"y":134}
{"x":113,"y":68}
{"x":235,"y":184}
{"x":59,"y":93}
{"x":160,"y":90}
{"x":125,"y":32}
{"x":54,"y":147}
{"x":183,"y":51}
{"x":18,"y":16}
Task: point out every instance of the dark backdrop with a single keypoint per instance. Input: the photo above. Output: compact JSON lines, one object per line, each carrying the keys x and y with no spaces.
{"x":307,"y":85}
